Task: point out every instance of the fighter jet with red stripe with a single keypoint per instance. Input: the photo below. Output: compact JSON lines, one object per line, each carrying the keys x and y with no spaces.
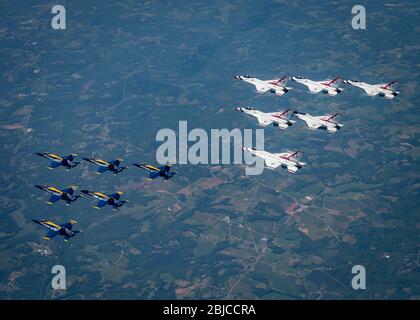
{"x":386,"y":90}
{"x":287,"y":160}
{"x":329,"y":87}
{"x":278,"y":119}
{"x":277,"y":86}
{"x":326,"y":122}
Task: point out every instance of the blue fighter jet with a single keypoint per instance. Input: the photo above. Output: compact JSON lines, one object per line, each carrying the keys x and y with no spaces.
{"x":113,"y":166}
{"x":57,"y":161}
{"x":64,"y":230}
{"x":57,"y":194}
{"x":154,"y":172}
{"x":112,"y":199}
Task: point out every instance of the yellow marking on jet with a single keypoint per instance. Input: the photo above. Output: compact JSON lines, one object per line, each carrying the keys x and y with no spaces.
{"x":54,"y":189}
{"x":152,"y":168}
{"x":52,"y":224}
{"x":49,"y":202}
{"x":119,"y":192}
{"x":72,"y":221}
{"x":101,"y":161}
{"x":50,"y":168}
{"x":46,"y":238}
{"x":96,"y":207}
{"x":51,"y":155}
{"x":101,"y":195}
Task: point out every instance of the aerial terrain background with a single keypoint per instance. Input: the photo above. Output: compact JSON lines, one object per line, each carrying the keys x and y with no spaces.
{"x":121,"y":71}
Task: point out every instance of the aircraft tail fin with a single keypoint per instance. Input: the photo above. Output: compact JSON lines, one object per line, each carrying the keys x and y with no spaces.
{"x":330,"y":117}
{"x":334,"y":81}
{"x":391,"y":85}
{"x":282,"y":81}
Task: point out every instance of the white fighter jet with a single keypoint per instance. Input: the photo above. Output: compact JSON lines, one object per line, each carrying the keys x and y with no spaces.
{"x":327,"y":86}
{"x":278,"y":119}
{"x":288,"y":159}
{"x":386,"y":90}
{"x":277,"y":86}
{"x":319,"y":122}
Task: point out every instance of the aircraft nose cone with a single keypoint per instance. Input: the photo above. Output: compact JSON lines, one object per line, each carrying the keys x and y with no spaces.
{"x":38,"y":186}
{"x":85,"y":191}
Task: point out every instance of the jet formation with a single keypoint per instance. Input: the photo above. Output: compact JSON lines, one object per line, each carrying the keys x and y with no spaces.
{"x":329,"y":86}
{"x":289,"y":160}
{"x":281,"y":119}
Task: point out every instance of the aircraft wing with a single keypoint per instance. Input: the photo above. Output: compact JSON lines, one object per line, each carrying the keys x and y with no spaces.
{"x":332,"y":93}
{"x":263,"y":120}
{"x":101,"y":170}
{"x":279,"y":91}
{"x":389,"y":96}
{"x":100,"y":204}
{"x":54,"y":164}
{"x":272,"y":163}
{"x":261,"y":88}
{"x":370,"y":92}
{"x":314,"y":89}
{"x":153,"y":175}
{"x":54,"y":198}
{"x":312,"y":124}
{"x":292,"y":169}
{"x":282,"y":125}
{"x":51,"y":234}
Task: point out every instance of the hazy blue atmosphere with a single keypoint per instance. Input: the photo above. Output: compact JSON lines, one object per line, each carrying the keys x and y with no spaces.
{"x":121,"y":71}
